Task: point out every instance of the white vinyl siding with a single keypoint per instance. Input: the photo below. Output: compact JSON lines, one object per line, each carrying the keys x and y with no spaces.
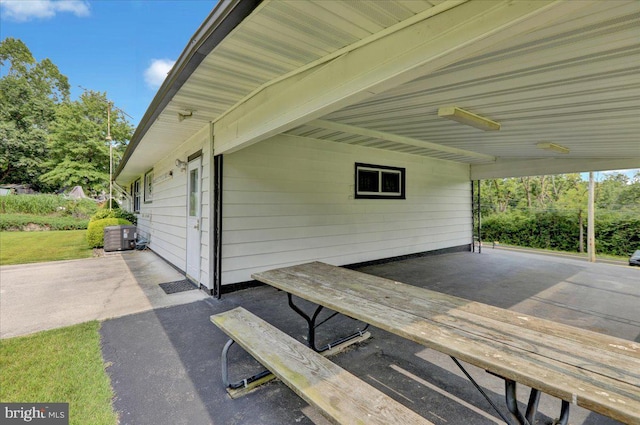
{"x":290,"y":199}
{"x":163,"y":222}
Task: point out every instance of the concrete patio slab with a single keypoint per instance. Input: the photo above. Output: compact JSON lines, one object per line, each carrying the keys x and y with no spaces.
{"x":36,"y":297}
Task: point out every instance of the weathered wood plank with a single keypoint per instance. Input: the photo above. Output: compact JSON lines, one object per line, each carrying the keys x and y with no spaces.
{"x":361,"y":280}
{"x":488,"y":348}
{"x":445,"y":309}
{"x":340,"y":396}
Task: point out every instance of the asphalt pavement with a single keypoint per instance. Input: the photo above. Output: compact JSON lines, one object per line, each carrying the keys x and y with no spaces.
{"x":165,"y":363}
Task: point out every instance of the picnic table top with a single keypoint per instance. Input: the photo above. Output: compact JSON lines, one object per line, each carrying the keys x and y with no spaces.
{"x":593,"y":370}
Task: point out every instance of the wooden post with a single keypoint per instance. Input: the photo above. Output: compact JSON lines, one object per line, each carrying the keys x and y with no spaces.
{"x":591,"y":236}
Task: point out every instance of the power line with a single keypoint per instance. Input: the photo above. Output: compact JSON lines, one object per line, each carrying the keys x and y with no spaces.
{"x":112,"y":105}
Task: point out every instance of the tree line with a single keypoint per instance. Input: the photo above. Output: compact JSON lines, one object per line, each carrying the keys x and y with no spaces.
{"x":551,"y":212}
{"x":568,"y":192}
{"x":49,"y":141}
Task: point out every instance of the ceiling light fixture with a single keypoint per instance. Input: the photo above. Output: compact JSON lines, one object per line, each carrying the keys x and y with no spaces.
{"x":468,"y":118}
{"x":182,"y":115}
{"x":553,"y":147}
{"x":182,"y":165}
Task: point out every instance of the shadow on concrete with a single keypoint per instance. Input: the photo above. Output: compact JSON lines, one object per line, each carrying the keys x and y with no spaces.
{"x":165,"y":364}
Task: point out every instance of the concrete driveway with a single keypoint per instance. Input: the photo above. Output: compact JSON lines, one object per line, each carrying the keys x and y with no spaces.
{"x":35,"y":297}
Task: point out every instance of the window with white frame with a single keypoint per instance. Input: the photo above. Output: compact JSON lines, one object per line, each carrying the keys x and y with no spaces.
{"x":379,"y":182}
{"x":136,"y":195}
{"x":148,"y":187}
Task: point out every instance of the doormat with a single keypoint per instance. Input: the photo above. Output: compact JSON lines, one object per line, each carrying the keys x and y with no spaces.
{"x":177,"y":286}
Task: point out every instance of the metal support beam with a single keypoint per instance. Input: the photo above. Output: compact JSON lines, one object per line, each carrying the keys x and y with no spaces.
{"x":591,"y":215}
{"x":367,"y":132}
{"x":503,"y":167}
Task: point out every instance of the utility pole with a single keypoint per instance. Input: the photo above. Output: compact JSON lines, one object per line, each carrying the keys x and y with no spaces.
{"x":110,"y":140}
{"x":591,"y":234}
{"x":110,"y":154}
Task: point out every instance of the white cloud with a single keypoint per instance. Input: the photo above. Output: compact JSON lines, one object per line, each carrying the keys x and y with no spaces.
{"x":26,"y":10}
{"x":156,"y":73}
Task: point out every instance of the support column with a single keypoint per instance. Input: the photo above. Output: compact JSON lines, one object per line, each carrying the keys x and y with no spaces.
{"x":591,"y":234}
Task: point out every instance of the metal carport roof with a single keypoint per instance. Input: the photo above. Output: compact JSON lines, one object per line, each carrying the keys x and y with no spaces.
{"x":376,"y":73}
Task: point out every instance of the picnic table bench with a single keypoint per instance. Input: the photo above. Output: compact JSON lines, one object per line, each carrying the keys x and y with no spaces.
{"x":340,"y":396}
{"x":592,"y":370}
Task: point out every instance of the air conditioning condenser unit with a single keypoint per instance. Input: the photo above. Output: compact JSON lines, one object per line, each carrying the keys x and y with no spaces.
{"x":119,"y":238}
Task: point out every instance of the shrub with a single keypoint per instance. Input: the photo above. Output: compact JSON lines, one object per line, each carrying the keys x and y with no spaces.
{"x":616,"y":234}
{"x":95,"y":231}
{"x":47,"y":204}
{"x":82,"y":208}
{"x":18,"y":222}
{"x":114,"y":213}
{"x":31,"y":204}
{"x":114,"y":204}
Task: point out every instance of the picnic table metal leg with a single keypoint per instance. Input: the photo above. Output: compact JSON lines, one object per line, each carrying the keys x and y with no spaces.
{"x":225,"y":371}
{"x":311,"y":321}
{"x":515,"y":416}
{"x":564,"y":414}
{"x":479,"y":388}
{"x":312,"y":326}
{"x":532,"y":406}
{"x":512,"y":402}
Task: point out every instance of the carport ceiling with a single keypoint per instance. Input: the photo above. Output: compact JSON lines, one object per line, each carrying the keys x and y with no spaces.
{"x":568,"y":73}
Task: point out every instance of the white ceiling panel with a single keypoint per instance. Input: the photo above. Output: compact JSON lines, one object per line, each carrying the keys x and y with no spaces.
{"x":575,"y":83}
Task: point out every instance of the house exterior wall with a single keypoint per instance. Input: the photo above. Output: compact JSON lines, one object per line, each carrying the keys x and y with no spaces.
{"x":289,"y":200}
{"x":163,"y":220}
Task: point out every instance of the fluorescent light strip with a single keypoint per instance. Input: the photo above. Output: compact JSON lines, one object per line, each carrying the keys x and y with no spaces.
{"x":468,"y":118}
{"x":552,"y":147}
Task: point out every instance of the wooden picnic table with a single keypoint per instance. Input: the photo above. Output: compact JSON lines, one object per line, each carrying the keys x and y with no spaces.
{"x":598,"y":372}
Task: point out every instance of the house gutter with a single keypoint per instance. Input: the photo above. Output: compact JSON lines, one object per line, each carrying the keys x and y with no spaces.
{"x":221,"y":21}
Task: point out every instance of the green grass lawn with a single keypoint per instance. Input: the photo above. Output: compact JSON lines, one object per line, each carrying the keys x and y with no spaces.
{"x":34,"y":247}
{"x":62,"y":365}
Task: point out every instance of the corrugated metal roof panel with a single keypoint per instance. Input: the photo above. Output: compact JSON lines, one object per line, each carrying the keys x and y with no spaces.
{"x":575,"y":82}
{"x":277,"y":38}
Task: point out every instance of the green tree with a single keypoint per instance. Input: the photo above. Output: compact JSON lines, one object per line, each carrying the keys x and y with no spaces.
{"x":628,"y":196}
{"x":29,"y":93}
{"x":550,"y":211}
{"x":500,"y":195}
{"x":78,"y":146}
{"x":609,"y":189}
{"x":574,"y":200}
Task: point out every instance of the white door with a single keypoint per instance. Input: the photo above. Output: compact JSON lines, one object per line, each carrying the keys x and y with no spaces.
{"x":194,"y":211}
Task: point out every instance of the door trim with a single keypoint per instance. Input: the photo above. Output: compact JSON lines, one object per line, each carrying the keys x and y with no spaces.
{"x":191,"y":160}
{"x":217,"y":226}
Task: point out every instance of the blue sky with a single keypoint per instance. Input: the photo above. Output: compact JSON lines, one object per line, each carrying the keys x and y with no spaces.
{"x":122,"y":47}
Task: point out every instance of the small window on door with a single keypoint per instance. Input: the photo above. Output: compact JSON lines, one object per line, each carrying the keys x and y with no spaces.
{"x":379,"y":182}
{"x":194,"y":192}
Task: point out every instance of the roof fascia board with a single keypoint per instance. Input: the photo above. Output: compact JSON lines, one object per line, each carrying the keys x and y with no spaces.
{"x":225,"y":16}
{"x":504,"y":168}
{"x":408,"y":53}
